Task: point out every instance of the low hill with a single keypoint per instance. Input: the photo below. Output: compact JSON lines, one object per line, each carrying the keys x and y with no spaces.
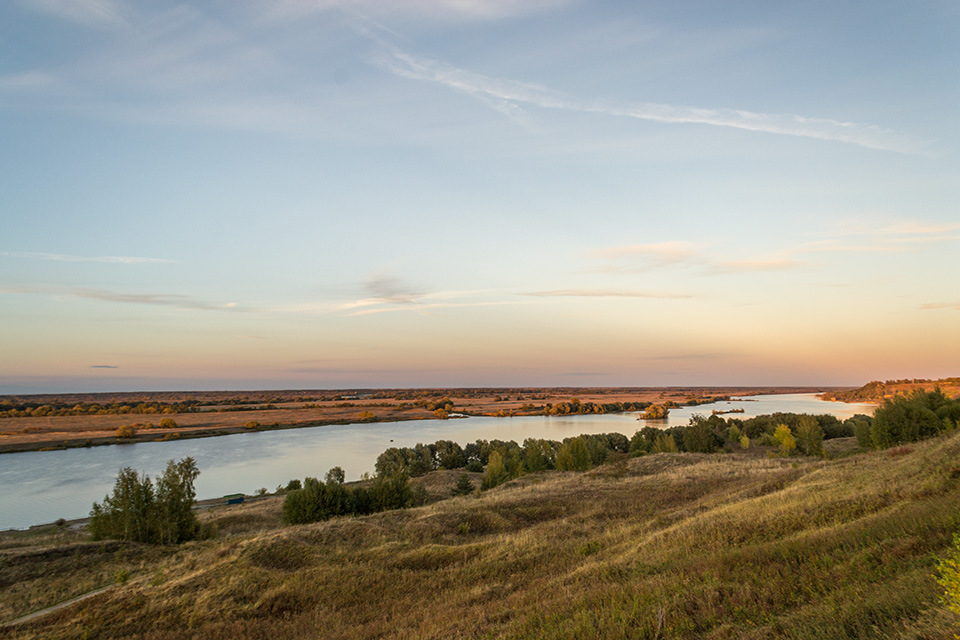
{"x":877,"y":391}
{"x":660,"y":546}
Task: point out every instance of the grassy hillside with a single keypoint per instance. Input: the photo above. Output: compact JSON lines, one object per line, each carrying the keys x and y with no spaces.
{"x":661,"y":546}
{"x":877,"y":391}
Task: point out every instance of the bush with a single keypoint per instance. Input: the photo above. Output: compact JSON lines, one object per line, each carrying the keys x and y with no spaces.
{"x":168,"y":423}
{"x":949,"y":579}
{"x":911,"y":418}
{"x":463,"y":487}
{"x":126,"y":431}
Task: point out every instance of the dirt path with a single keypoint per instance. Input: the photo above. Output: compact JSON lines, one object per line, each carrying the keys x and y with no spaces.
{"x":56,"y":607}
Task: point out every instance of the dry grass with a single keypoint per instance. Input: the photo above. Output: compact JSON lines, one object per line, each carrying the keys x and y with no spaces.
{"x":663,"y":546}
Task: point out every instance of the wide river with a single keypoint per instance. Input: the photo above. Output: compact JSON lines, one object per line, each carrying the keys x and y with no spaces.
{"x":39,"y":487}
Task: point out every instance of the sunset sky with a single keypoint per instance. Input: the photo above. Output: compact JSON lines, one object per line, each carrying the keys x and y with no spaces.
{"x":242,"y":194}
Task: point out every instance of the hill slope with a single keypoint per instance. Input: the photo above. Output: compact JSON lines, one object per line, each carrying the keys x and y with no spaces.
{"x":662,"y":546}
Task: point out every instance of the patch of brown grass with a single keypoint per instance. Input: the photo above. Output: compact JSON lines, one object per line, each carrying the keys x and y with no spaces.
{"x":666,"y":546}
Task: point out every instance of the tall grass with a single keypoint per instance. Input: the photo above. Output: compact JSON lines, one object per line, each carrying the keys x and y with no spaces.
{"x":661,"y":546}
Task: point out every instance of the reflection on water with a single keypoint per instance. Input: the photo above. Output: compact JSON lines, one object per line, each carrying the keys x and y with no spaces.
{"x":43,"y":486}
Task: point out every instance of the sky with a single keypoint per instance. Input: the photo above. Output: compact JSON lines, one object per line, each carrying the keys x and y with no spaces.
{"x":294,"y":194}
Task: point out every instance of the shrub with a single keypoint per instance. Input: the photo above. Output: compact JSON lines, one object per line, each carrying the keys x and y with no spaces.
{"x":126,"y":431}
{"x":744,"y":442}
{"x":168,"y":423}
{"x":911,"y":418}
{"x":949,"y":579}
{"x":253,"y":424}
{"x":463,"y":487}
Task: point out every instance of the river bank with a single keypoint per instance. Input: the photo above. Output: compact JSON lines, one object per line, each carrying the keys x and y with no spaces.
{"x":264,"y":411}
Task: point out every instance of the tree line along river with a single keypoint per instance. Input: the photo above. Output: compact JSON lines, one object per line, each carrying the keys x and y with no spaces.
{"x":40,"y":487}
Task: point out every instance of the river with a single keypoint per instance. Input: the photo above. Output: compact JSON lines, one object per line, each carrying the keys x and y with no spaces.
{"x":41,"y":486}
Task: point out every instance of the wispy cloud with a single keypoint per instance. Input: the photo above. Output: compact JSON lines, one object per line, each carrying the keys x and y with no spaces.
{"x":660,"y":253}
{"x":87,"y":12}
{"x":508,"y":95}
{"x":428,"y":307}
{"x":756,"y":264}
{"x":607,"y":293}
{"x":913,"y":228}
{"x":955,"y":306}
{"x":899,"y":237}
{"x":177,"y":301}
{"x":459,"y":10}
{"x":28,"y":82}
{"x":647,"y":257}
{"x":689,"y":356}
{"x":59,"y":257}
{"x":104,"y":366}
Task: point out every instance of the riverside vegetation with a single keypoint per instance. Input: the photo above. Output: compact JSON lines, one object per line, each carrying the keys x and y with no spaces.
{"x":757,"y":542}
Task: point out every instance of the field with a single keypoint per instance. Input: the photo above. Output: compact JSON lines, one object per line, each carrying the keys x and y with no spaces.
{"x":736,"y":545}
{"x":219,"y":413}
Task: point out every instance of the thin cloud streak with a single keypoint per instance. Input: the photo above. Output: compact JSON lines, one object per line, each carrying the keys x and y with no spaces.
{"x":506,"y":95}
{"x":425,"y":308}
{"x":92,"y":13}
{"x":896,"y":238}
{"x":177,"y":301}
{"x":954,"y":306}
{"x":607,"y":293}
{"x":59,"y":257}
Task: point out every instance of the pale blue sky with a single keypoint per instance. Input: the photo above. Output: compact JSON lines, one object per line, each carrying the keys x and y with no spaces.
{"x":336,"y":193}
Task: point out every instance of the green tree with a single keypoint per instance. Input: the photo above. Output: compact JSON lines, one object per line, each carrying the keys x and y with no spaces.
{"x":449,"y":454}
{"x":136,"y":511}
{"x":126,"y":514}
{"x":392,"y":492}
{"x":809,"y":436}
{"x":390,"y":462}
{"x":537,"y":455}
{"x":698,"y":437}
{"x":175,"y":497}
{"x":665,"y":444}
{"x":910,"y":418}
{"x":335,"y":475}
{"x":574,"y":455}
{"x":496,"y":472}
{"x":787,"y":442}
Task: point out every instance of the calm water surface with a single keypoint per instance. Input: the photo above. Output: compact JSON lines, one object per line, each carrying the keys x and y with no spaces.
{"x":43,"y":486}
